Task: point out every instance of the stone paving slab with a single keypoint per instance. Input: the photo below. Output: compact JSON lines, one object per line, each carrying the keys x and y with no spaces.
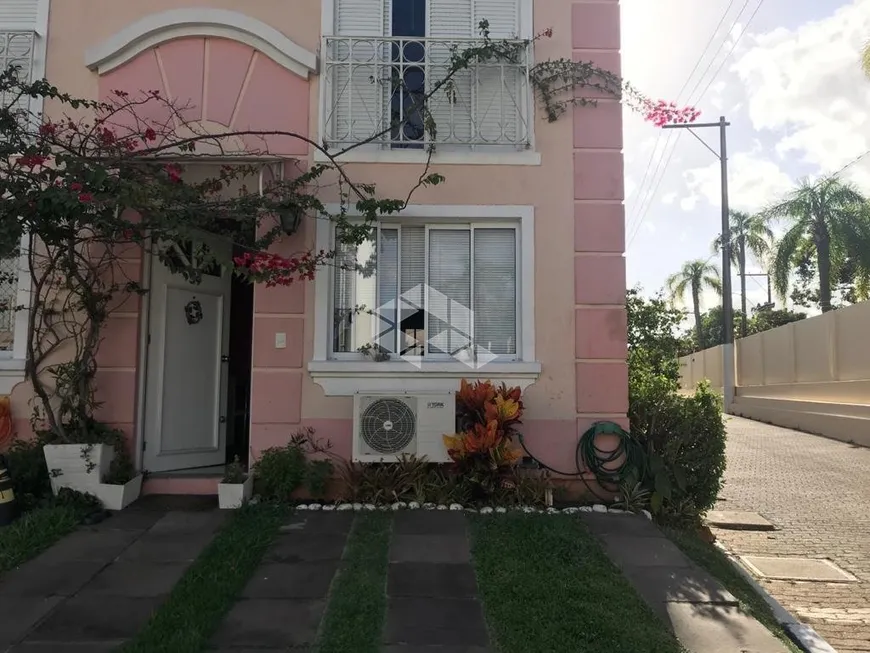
{"x":626,"y":550}
{"x":446,"y":581}
{"x":137,"y":579}
{"x":58,"y":647}
{"x":739,"y":520}
{"x":264,"y":623}
{"x":94,"y":618}
{"x":802,"y":569}
{"x":88,"y":544}
{"x":97,"y":591}
{"x":430,"y":548}
{"x":42,"y":579}
{"x":18,"y":617}
{"x":659,"y":586}
{"x":720,"y":629}
{"x":303,"y":580}
{"x":291,"y":548}
{"x":449,"y":622}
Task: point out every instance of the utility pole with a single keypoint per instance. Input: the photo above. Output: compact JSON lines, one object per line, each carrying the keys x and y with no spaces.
{"x":727,"y":306}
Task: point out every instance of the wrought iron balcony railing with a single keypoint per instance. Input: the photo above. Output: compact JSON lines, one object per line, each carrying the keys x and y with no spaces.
{"x":383,"y":90}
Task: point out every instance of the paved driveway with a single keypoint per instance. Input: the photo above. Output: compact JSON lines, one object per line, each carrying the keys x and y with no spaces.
{"x":817,"y":493}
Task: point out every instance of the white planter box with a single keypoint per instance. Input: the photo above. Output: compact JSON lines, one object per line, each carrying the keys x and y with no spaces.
{"x":233,"y":495}
{"x":118,"y":497}
{"x":79,"y":467}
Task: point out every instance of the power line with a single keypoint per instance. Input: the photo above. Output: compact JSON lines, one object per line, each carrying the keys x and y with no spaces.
{"x":733,"y":45}
{"x":678,"y":96}
{"x":652,"y":194}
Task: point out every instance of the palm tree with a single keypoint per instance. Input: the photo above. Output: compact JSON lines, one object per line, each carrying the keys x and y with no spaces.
{"x":694,"y":276}
{"x":828,"y":220}
{"x":748,"y":232}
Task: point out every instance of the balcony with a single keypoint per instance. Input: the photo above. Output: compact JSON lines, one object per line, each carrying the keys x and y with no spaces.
{"x":379,"y":92}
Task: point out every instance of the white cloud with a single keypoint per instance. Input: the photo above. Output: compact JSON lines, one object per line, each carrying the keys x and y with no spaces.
{"x":753,"y":182}
{"x":669,"y":198}
{"x":806,"y":85}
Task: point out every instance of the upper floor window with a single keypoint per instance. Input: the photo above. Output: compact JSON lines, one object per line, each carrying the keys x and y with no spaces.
{"x":385,"y":67}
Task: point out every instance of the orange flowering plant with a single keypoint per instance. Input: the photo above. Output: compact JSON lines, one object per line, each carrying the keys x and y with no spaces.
{"x":487,"y":417}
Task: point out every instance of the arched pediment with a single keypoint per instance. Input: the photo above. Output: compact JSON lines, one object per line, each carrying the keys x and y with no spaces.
{"x":158,"y":28}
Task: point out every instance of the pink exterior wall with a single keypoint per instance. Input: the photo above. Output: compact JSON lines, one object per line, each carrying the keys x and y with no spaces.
{"x":578,"y":186}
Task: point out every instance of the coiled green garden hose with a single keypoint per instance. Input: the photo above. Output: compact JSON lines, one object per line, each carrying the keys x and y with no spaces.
{"x":602,"y":463}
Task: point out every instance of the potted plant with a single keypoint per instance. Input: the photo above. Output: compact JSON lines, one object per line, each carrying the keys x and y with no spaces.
{"x":121,"y":486}
{"x":375,"y":352}
{"x":83,"y":457}
{"x":236,"y":487}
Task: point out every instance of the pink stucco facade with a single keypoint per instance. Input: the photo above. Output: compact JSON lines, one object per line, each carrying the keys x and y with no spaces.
{"x":575,"y":188}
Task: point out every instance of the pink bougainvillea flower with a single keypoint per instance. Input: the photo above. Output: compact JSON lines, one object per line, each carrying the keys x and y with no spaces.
{"x":150,"y":134}
{"x":75,"y":187}
{"x":32,"y":160}
{"x":84,"y":198}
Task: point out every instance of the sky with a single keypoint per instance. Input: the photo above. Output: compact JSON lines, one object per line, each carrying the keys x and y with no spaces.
{"x":789,"y":81}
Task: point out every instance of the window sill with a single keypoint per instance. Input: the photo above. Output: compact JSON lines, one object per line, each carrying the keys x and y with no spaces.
{"x":361,"y":155}
{"x":11,"y":374}
{"x":346,"y":378}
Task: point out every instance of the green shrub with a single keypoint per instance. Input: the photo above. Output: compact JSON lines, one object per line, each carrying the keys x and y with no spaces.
{"x":687,"y":435}
{"x":30,"y":479}
{"x":280,"y":471}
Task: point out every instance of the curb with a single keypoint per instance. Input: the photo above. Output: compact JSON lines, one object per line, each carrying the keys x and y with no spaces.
{"x":803,"y":634}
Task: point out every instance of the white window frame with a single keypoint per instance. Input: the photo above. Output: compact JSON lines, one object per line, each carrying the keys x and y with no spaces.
{"x":12,"y":361}
{"x":396,"y":223}
{"x":350,"y":373}
{"x":530,"y":157}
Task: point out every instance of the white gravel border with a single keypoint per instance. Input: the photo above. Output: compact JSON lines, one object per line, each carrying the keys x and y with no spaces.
{"x":486,"y":510}
{"x":804,"y":635}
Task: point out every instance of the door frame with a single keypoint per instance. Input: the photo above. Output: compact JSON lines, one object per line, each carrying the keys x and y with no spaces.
{"x":142,"y":369}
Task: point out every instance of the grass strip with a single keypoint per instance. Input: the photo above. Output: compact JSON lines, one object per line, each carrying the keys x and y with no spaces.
{"x":717,"y":564}
{"x":198,"y":602}
{"x":357,"y":602}
{"x":34,"y":532}
{"x":546,"y":586}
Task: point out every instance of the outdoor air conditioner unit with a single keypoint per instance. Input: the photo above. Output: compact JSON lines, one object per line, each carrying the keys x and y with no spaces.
{"x":386,"y":427}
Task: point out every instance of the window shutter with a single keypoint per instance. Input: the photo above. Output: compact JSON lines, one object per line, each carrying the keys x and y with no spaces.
{"x":361,"y":72}
{"x":412,"y":280}
{"x":498,"y":88}
{"x":495,"y":290}
{"x":19,"y":14}
{"x":449,"y":290}
{"x":503,"y":17}
{"x":452,"y":105}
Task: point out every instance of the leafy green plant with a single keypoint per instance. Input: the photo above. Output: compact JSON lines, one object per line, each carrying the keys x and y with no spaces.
{"x":317,"y":476}
{"x":280,"y":471}
{"x":235,"y":473}
{"x":30,"y":478}
{"x":633,"y":497}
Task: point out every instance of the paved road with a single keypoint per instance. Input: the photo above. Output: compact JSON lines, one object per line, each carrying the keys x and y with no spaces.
{"x":817,"y":492}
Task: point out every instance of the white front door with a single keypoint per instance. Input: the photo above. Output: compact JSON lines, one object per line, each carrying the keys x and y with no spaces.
{"x":186,"y":386}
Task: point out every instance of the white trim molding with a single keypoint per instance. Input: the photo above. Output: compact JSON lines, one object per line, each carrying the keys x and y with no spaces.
{"x":155,"y":29}
{"x":370,"y":155}
{"x":346,"y":377}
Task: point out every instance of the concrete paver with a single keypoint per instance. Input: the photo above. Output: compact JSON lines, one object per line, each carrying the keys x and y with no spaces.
{"x":702,"y":614}
{"x":816,"y":491}
{"x":84,"y":594}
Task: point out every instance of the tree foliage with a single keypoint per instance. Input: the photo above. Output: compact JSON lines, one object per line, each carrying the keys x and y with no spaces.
{"x":695,"y":276}
{"x":828,"y":224}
